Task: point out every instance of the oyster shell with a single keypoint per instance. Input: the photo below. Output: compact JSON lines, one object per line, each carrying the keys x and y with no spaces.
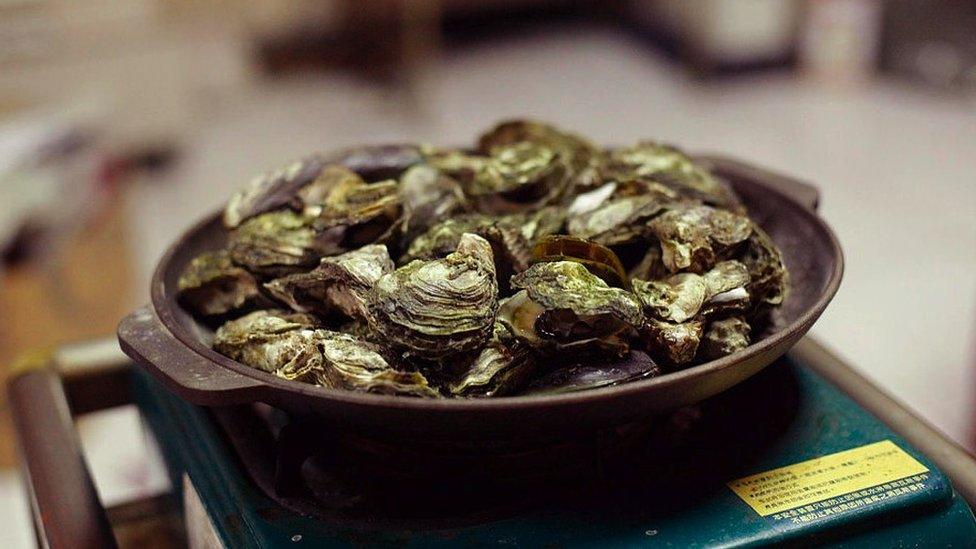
{"x":672,"y":168}
{"x":675,"y":299}
{"x":597,"y":259}
{"x":677,"y":342}
{"x":429,"y":197}
{"x":211,"y":285}
{"x":502,"y":368}
{"x":511,"y":237}
{"x":432,"y":310}
{"x":379,"y":162}
{"x":617,"y":221}
{"x":768,"y":276}
{"x":356,"y":213}
{"x":278,"y":243}
{"x":351,"y":363}
{"x":684,"y":296}
{"x":725,"y":337}
{"x":584,"y":158}
{"x":563,"y":306}
{"x":261,"y":340}
{"x":692,"y":235}
{"x":513,"y":178}
{"x":593,"y":374}
{"x":338,"y":285}
{"x":288,"y":346}
{"x":272,"y":190}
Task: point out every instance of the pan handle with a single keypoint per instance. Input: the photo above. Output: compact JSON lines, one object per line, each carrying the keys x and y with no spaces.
{"x":800,"y":191}
{"x":195,"y":378}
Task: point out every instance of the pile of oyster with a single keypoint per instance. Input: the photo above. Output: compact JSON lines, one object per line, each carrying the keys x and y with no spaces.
{"x":533,"y":263}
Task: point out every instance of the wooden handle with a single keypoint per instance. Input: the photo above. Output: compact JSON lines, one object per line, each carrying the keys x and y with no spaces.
{"x":67,"y":511}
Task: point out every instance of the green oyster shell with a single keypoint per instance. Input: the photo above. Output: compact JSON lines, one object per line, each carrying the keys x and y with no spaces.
{"x":289,"y":346}
{"x":563,"y":305}
{"x":725,"y":337}
{"x":211,"y":285}
{"x":339,"y":284}
{"x":432,"y":310}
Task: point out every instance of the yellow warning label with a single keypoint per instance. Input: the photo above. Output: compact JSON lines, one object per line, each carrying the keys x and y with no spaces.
{"x":826,"y":477}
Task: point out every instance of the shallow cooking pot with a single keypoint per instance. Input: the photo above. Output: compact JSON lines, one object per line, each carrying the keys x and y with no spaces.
{"x":171,"y":345}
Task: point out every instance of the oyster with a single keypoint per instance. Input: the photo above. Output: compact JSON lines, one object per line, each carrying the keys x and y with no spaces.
{"x":727,"y":284}
{"x":597,"y":259}
{"x":692,"y":235}
{"x":503,"y":367}
{"x":725,"y":337}
{"x":351,"y":363}
{"x":272,"y":190}
{"x":261,"y":340}
{"x":432,"y":310}
{"x":429,"y":197}
{"x":562,"y":306}
{"x":211,"y":285}
{"x":355,"y":213}
{"x":669,"y":166}
{"x":379,"y":162}
{"x":288,"y":346}
{"x":339,"y":284}
{"x":684,"y":296}
{"x":513,"y":178}
{"x":583,"y":157}
{"x":677,"y":342}
{"x":618,"y":221}
{"x":593,"y":374}
{"x":284,"y":187}
{"x":511,"y":237}
{"x":675,"y":299}
{"x":768,"y":276}
{"x":278,"y":243}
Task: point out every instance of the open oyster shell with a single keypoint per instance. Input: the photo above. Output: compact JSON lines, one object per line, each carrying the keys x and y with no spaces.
{"x":512,"y":178}
{"x":769,"y":278}
{"x":432,"y":310}
{"x":211,"y":285}
{"x":356,"y":213}
{"x":511,"y":238}
{"x":563,"y":306}
{"x":339,"y":284}
{"x":617,"y":221}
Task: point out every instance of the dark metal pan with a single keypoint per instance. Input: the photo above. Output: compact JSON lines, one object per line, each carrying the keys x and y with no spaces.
{"x":172,"y":346}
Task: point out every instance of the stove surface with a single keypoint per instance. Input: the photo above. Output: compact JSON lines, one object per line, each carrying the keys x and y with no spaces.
{"x":782,"y":457}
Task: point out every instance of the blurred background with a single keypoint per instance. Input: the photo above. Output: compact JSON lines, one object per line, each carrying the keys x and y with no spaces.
{"x":122,"y":121}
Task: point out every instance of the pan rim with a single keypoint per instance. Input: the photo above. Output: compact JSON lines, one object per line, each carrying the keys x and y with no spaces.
{"x":163,"y":306}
